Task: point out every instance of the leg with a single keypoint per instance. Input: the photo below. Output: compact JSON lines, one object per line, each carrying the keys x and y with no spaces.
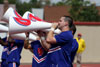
{"x":79,"y":60}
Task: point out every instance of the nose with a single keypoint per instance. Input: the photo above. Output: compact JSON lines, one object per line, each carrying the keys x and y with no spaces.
{"x":58,"y":23}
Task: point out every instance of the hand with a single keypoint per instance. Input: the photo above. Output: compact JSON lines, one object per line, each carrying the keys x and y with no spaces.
{"x":54,"y":25}
{"x":41,"y":33}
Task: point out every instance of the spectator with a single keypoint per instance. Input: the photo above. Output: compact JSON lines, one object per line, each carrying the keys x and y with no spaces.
{"x":81,"y":48}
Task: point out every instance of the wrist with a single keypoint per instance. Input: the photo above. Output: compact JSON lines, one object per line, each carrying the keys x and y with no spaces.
{"x":52,"y":29}
{"x":43,"y":38}
{"x":27,"y":38}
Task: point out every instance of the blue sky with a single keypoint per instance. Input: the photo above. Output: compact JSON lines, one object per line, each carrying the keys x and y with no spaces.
{"x":92,"y":1}
{"x":55,"y":1}
{"x":96,"y":1}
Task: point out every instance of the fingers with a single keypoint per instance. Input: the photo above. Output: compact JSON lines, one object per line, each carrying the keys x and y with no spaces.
{"x":55,"y":25}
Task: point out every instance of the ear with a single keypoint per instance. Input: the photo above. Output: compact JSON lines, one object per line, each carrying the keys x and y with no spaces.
{"x":66,"y":23}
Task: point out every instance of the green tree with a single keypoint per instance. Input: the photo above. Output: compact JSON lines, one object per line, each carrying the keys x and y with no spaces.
{"x":60,"y":4}
{"x":1,"y":1}
{"x":23,"y":7}
{"x":82,"y":10}
{"x":48,"y":2}
{"x":89,"y":13}
{"x":35,"y":3}
{"x":12,"y":1}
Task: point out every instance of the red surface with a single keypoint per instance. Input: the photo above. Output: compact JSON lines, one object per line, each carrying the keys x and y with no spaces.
{"x":83,"y":23}
{"x":89,"y":65}
{"x":87,"y":23}
{"x":25,"y":65}
{"x":83,"y":65}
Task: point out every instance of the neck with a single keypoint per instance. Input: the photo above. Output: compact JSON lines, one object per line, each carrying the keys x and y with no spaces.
{"x":64,"y":29}
{"x":79,"y":38}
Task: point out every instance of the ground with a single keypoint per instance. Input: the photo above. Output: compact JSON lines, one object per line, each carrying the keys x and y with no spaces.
{"x":83,"y":65}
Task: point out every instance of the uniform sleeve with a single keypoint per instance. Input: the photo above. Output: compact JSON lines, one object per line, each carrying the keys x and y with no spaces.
{"x":20,"y":43}
{"x":64,"y":37}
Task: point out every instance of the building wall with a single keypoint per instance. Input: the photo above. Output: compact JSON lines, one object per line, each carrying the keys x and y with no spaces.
{"x":53,"y":13}
{"x":38,"y":12}
{"x":91,"y":35}
{"x":92,"y":39}
{"x":26,"y":56}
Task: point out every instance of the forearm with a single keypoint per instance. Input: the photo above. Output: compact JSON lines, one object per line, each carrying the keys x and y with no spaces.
{"x":50,"y":35}
{"x":45,"y":45}
{"x":26,"y":44}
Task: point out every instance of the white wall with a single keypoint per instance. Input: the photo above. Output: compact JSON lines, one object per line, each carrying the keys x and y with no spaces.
{"x":38,"y":12}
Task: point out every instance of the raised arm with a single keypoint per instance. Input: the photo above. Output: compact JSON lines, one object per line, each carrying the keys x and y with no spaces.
{"x":50,"y":36}
{"x":44,"y":44}
{"x":42,"y":37}
{"x":26,"y":42}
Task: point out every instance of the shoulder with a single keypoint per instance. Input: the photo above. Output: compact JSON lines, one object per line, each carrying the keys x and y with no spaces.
{"x":82,"y":39}
{"x":65,"y":34}
{"x":64,"y":37}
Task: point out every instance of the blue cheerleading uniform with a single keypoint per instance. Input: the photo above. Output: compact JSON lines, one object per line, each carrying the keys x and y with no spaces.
{"x":14,"y":53}
{"x":74,"y":49}
{"x":60,"y":53}
{"x":4,"y":54}
{"x":39,"y":54}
